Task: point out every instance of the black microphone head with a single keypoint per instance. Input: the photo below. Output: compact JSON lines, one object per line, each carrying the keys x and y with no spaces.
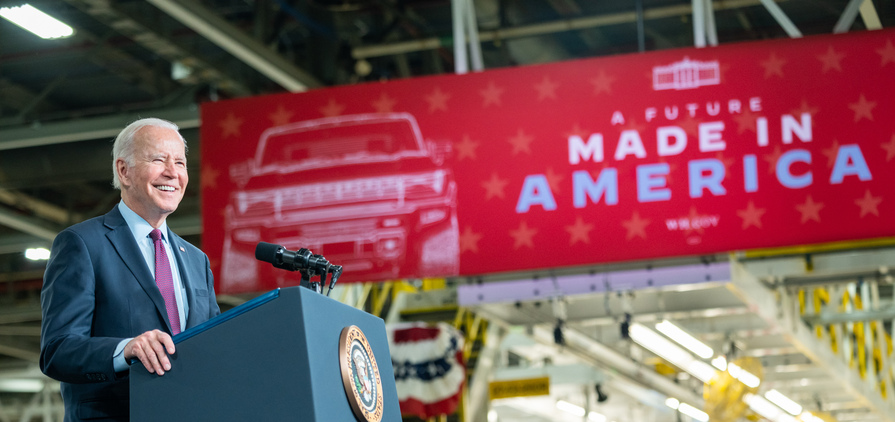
{"x":267,"y":252}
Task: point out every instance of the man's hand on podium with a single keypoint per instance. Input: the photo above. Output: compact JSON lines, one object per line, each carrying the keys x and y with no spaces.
{"x":152,"y":349}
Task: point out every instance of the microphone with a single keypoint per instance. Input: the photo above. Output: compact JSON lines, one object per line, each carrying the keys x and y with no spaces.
{"x":285,"y":259}
{"x":336,"y":271}
{"x":301,"y":260}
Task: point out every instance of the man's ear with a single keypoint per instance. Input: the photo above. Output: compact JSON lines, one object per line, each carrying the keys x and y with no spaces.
{"x":123,"y":172}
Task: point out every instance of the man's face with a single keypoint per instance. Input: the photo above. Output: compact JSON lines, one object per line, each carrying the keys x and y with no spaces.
{"x":154,"y":186}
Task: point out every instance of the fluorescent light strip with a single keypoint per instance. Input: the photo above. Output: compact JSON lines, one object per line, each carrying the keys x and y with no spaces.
{"x":760,"y":405}
{"x":23,"y":385}
{"x":720,"y":362}
{"x":687,"y":409}
{"x":684,"y":339}
{"x":596,"y":417}
{"x":766,"y":409}
{"x":809,"y":417}
{"x":672,"y":403}
{"x":574,"y":409}
{"x":693,"y":412}
{"x":784,"y":402}
{"x":743,"y":375}
{"x":35,"y":21}
{"x":701,"y":370}
{"x":570,"y":408}
{"x":37,"y":254}
{"x":659,"y":345}
{"x":492,"y":415}
{"x":671,"y":352}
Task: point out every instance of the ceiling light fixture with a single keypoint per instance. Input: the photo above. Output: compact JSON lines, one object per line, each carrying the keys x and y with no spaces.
{"x":766,"y":409}
{"x":784,"y":402}
{"x":743,"y":375}
{"x":687,"y":409}
{"x":672,"y":403}
{"x":684,"y":339}
{"x":37,"y":22}
{"x":720,"y":362}
{"x":671,"y":352}
{"x":596,"y":417}
{"x":492,"y":416}
{"x":693,"y":412}
{"x":23,"y":385}
{"x":570,"y":408}
{"x":809,"y":417}
{"x":37,"y":254}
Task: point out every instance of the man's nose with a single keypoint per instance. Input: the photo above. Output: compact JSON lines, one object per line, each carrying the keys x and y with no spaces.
{"x":170,"y":168}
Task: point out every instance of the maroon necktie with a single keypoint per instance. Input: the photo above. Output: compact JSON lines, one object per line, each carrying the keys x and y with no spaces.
{"x":164,"y":280}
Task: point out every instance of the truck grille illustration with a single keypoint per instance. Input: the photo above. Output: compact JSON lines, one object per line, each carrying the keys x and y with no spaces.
{"x":366,"y":191}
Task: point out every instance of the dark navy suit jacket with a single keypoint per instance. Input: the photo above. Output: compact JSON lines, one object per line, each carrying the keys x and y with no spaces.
{"x":98,"y":291}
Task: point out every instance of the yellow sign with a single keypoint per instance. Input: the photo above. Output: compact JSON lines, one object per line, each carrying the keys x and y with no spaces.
{"x":519,"y":388}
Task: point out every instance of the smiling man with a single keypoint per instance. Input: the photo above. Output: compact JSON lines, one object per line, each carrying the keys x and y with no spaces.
{"x":119,"y":286}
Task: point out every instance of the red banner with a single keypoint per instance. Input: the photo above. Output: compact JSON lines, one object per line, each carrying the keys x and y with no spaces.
{"x":668,"y":153}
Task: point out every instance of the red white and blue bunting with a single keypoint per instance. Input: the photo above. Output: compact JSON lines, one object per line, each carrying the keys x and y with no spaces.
{"x":429,"y":367}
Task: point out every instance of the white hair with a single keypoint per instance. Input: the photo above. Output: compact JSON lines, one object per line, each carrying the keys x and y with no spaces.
{"x":123,"y":148}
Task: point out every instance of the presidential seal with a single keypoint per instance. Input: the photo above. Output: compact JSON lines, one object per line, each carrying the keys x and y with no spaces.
{"x":360,"y":375}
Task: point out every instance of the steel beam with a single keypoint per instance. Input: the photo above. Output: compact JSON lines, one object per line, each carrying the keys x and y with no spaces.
{"x":484,"y":372}
{"x":17,"y":243}
{"x":19,"y":351}
{"x":561,"y":25}
{"x":135,"y":28}
{"x":92,"y":128}
{"x":782,"y":19}
{"x":39,"y":207}
{"x":848,"y":16}
{"x":21,"y":314}
{"x":698,"y":13}
{"x":869,"y":15}
{"x":20,"y":330}
{"x":28,"y":225}
{"x":232,"y":39}
{"x":461,"y":58}
{"x":592,"y":352}
{"x":711,"y":31}
{"x":697,"y":276}
{"x":38,"y":234}
{"x":776,"y":308}
{"x":827,"y":318}
{"x":658,"y":315}
{"x":475,"y":46}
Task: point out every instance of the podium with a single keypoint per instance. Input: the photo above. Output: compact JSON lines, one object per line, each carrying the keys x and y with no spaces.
{"x":278,"y":357}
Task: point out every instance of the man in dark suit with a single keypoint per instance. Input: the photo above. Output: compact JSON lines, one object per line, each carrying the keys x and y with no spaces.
{"x":118,"y":286}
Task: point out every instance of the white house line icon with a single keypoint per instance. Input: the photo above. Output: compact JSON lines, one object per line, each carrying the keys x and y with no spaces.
{"x":686,"y":74}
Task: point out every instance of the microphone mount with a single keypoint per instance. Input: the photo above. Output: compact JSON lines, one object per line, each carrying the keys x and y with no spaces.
{"x":304,"y":261}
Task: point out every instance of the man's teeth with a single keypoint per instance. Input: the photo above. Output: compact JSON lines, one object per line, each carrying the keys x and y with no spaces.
{"x":165,"y":188}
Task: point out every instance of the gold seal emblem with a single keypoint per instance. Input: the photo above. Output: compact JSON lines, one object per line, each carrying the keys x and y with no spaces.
{"x":360,"y":375}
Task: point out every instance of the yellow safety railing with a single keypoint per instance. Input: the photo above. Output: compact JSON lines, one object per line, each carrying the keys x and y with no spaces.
{"x":819,"y":247}
{"x":880,"y":351}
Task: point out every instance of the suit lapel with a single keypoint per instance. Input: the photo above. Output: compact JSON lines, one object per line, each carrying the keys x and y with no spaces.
{"x":122,"y":240}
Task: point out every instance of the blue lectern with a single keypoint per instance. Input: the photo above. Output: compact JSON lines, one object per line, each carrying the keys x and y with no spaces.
{"x":274,"y":358}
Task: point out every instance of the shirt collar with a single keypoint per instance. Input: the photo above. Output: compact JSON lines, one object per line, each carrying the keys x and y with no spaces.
{"x":139,"y":227}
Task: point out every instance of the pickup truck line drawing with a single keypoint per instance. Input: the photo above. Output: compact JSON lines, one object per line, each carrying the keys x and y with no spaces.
{"x":366,"y":191}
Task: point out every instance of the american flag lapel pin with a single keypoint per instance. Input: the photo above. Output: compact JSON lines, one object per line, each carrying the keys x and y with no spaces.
{"x":182,"y":250}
